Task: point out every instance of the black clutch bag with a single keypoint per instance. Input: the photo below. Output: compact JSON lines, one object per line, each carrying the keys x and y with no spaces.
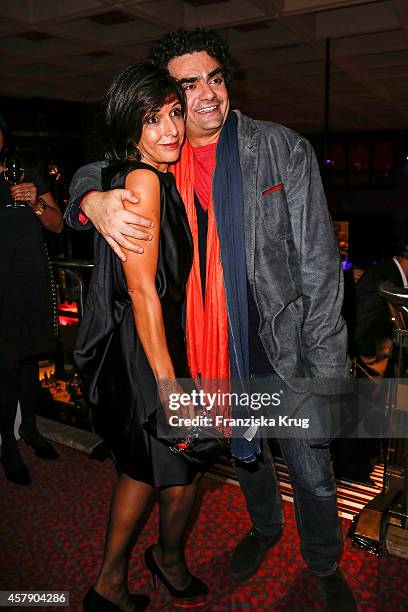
{"x":201,"y":446}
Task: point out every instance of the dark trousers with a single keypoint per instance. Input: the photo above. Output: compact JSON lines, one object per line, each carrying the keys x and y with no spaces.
{"x":19,"y":385}
{"x":314,"y":491}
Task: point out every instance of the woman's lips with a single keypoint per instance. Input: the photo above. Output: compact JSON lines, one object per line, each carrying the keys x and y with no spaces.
{"x":171,"y":145}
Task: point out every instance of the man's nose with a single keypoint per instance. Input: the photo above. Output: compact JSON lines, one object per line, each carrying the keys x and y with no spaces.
{"x":207,"y":92}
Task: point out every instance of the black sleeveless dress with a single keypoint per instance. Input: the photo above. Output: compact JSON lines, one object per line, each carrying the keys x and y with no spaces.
{"x":26,"y":314}
{"x":109,"y":355}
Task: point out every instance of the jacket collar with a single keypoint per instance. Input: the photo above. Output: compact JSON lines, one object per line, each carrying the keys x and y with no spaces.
{"x":248,"y":143}
{"x":248,"y":133}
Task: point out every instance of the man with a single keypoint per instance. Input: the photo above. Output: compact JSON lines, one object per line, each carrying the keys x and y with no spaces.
{"x":373,"y":341}
{"x":374,"y":328}
{"x":281,"y":276}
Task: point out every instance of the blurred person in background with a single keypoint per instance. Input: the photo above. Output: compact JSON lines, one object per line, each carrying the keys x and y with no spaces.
{"x":26,"y":318}
{"x":372,"y":348}
{"x":374,"y":328}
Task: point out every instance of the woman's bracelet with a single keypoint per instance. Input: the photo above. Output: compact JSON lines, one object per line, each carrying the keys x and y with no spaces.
{"x":163,"y":387}
{"x":43,"y":205}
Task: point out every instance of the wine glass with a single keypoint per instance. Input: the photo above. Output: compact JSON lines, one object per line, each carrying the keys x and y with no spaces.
{"x":14,"y":174}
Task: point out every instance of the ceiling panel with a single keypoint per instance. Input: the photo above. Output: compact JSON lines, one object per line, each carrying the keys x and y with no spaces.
{"x":373,"y":17}
{"x":382,"y":42}
{"x":70,"y":50}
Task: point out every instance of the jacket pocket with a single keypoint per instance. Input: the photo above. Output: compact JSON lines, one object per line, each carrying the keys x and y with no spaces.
{"x":275,"y":213}
{"x":272,"y":189}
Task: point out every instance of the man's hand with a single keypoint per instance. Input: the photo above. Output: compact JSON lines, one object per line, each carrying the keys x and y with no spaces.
{"x":111,"y":219}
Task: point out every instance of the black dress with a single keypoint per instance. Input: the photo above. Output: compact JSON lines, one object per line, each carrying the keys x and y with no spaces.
{"x":109,"y":355}
{"x":26,"y":315}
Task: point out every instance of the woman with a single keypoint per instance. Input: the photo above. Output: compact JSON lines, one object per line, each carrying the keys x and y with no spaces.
{"x":26,"y":315}
{"x":131,"y":337}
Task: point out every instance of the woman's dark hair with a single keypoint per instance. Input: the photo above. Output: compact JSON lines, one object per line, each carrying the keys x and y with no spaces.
{"x":6,"y":138}
{"x":135,"y":92}
{"x":182,"y":42}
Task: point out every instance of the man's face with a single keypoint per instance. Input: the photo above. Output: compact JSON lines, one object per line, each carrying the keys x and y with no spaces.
{"x":207,"y":97}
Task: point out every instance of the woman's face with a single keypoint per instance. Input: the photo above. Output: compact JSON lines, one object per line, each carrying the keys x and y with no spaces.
{"x":162,"y":135}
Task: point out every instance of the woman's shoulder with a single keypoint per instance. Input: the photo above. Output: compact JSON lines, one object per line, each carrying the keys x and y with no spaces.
{"x":115,"y":174}
{"x":143,"y":182}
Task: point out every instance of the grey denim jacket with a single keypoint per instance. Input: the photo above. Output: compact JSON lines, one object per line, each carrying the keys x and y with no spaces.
{"x":293,"y":261}
{"x":292,"y":257}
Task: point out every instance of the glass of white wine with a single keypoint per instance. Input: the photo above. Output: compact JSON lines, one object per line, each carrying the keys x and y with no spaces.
{"x":14,"y":174}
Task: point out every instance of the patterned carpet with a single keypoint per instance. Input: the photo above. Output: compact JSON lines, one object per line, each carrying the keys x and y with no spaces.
{"x":51,"y":537}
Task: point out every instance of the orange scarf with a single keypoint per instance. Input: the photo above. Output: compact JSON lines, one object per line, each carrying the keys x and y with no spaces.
{"x":206,"y":324}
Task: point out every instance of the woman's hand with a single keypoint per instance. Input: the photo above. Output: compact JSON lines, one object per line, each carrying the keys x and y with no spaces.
{"x":170,"y":394}
{"x":50,"y":215}
{"x":26,"y":192}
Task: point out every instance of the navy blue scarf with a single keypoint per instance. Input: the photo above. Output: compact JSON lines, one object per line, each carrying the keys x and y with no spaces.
{"x":228,"y":196}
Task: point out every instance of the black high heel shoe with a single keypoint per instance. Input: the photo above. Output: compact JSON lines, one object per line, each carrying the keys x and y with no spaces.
{"x":43,"y":450}
{"x":94,"y":602}
{"x":197,"y":589}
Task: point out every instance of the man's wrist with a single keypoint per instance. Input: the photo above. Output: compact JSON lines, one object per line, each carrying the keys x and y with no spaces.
{"x":82,"y":215}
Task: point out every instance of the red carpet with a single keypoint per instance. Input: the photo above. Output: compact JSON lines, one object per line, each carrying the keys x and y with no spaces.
{"x":51,"y":538}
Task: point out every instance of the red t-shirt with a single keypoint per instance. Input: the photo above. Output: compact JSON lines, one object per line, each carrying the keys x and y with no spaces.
{"x":204,"y":166}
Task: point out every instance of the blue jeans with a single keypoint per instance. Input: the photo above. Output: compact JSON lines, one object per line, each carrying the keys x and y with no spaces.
{"x":314,"y":490}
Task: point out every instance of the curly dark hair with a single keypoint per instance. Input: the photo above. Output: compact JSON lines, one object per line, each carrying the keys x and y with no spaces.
{"x":135,"y":92}
{"x":182,"y":42}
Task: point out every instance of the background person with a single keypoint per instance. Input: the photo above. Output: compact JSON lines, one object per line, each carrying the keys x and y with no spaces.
{"x":374,"y":328}
{"x":354,"y":459}
{"x":26,"y":316}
